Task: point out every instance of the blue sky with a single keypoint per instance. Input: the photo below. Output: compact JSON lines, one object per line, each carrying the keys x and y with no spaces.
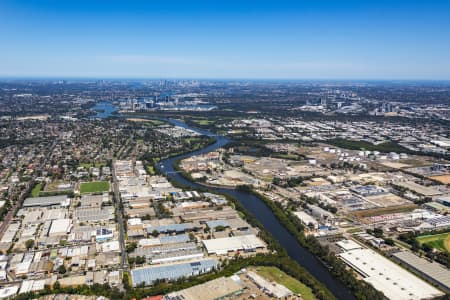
{"x":312,"y":39}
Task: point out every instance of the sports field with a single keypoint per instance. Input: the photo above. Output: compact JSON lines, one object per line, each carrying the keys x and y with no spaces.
{"x":275,"y":274}
{"x":94,"y":187}
{"x":437,"y":241}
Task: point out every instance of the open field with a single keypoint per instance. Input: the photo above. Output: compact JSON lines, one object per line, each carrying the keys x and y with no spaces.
{"x":388,"y":200}
{"x":94,"y":187}
{"x":362,"y":145}
{"x":204,"y":122}
{"x":440,"y":242}
{"x":418,"y":161}
{"x":275,"y":274}
{"x":445,"y":179}
{"x":394,"y":165}
{"x":384,"y":211}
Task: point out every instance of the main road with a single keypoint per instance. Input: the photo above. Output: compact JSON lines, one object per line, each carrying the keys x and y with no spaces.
{"x":119,"y":213}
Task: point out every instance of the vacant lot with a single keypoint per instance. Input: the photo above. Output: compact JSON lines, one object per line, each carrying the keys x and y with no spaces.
{"x":275,"y":274}
{"x":94,"y":187}
{"x":440,"y":242}
{"x":384,"y":211}
{"x":204,"y":122}
{"x":445,"y":179}
{"x":388,"y":200}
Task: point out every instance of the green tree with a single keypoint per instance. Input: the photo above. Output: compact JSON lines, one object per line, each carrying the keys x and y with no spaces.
{"x":378,"y":232}
{"x":389,"y":241}
{"x":131,"y":247}
{"x":140,"y":260}
{"x":56,"y":286}
{"x":62,"y":269}
{"x":219,"y":228}
{"x":29,"y":244}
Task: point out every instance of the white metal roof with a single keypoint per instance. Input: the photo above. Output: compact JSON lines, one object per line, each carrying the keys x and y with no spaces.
{"x":223,"y":245}
{"x":348,"y":245}
{"x":395,"y":282}
{"x":60,"y":226}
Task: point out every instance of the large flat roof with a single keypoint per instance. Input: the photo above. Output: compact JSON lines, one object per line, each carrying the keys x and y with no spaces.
{"x":226,"y":244}
{"x":420,"y":189}
{"x":60,"y":226}
{"x":45,"y":201}
{"x":433,"y":270}
{"x":348,"y":245}
{"x":172,"y":227}
{"x":395,"y":282}
{"x":171,"y":272}
{"x":215,"y":289}
{"x":306,"y":218}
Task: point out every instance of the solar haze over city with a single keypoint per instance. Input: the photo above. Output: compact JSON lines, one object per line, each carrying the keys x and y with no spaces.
{"x":203,"y":150}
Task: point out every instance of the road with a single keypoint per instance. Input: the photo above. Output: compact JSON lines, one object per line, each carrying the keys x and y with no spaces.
{"x":124,"y":259}
{"x":18,"y":203}
{"x":265,"y":216}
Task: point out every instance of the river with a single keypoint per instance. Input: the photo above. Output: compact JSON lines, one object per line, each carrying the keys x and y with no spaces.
{"x":264,"y":215}
{"x":103,"y":110}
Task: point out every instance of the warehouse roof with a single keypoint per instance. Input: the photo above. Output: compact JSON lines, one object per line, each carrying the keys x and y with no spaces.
{"x":431,"y":269}
{"x":171,"y":272}
{"x":172,"y":228}
{"x":395,"y":282}
{"x":150,"y":251}
{"x":213,"y":224}
{"x":348,"y":245}
{"x":235,"y":243}
{"x":170,"y":239}
{"x":60,"y":226}
{"x":306,"y":218}
{"x":419,"y":189}
{"x":215,"y":289}
{"x":94,"y":214}
{"x":437,"y":206}
{"x":61,"y":200}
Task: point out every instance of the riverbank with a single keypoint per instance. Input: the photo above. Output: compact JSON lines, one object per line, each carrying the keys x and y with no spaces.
{"x":360,"y":289}
{"x":262,"y":213}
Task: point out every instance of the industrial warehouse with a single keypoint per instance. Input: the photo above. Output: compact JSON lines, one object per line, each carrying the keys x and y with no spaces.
{"x":245,"y":243}
{"x":395,"y":282}
{"x":180,"y":235}
{"x":146,"y":276}
{"x":434,"y":272}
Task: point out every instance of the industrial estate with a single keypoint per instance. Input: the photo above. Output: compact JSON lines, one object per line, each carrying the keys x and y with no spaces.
{"x":107,"y":194}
